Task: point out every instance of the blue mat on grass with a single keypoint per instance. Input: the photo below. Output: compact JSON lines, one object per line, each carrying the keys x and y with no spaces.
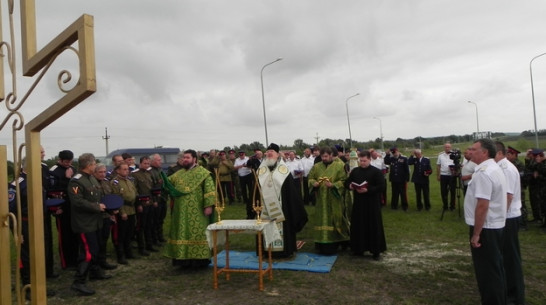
{"x":302,"y":262}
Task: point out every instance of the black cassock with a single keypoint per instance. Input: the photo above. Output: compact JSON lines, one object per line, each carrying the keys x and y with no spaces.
{"x":367,"y":232}
{"x":295,"y":217}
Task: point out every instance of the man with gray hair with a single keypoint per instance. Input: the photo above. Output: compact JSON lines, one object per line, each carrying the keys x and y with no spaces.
{"x":86,"y":211}
{"x":421,"y":172}
{"x":485,"y":213}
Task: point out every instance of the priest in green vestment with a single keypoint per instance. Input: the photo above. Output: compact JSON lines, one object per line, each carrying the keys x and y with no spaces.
{"x":330,"y":226}
{"x":194,"y":193}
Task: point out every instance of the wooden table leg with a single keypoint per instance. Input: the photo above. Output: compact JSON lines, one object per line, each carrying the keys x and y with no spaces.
{"x":270,"y":262}
{"x":260,"y":261}
{"x":226,"y":248}
{"x":215,"y":253}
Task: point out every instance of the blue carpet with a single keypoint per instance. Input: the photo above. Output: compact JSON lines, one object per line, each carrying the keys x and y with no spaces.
{"x":302,"y":262}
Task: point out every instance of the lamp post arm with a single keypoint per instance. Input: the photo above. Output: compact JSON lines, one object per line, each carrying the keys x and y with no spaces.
{"x":533,"y":96}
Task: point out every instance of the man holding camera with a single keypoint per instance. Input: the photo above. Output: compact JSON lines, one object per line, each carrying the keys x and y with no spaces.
{"x":444,"y":174}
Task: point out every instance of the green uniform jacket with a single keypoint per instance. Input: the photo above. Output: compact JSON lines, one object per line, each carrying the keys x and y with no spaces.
{"x":85,"y":193}
{"x":143,"y":183}
{"x":126,"y":189}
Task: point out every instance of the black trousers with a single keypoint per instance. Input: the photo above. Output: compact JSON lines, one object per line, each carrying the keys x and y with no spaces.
{"x":489,"y":266}
{"x":103,"y":236}
{"x":422,"y":193}
{"x":447,"y":186}
{"x":515,"y":286}
{"x":68,"y":240}
{"x":399,"y":190}
{"x":88,"y":255}
{"x":125,"y":232}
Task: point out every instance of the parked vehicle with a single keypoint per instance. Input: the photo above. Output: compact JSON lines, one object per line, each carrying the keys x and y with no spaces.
{"x":168,"y":155}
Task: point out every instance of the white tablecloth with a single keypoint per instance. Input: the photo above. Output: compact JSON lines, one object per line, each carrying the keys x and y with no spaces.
{"x":270,"y":232}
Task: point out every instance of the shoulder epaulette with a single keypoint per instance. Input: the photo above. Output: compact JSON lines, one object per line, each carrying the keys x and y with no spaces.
{"x":115,"y":181}
{"x":77,"y":176}
{"x":136,"y":170}
{"x":21,"y":179}
{"x":54,"y":167}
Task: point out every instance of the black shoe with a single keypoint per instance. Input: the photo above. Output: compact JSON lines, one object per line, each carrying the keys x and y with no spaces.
{"x":99,"y":276}
{"x":52,"y":275}
{"x":106,"y":266}
{"x":82,"y":289}
{"x":130,"y":255}
{"x":376,"y":257}
{"x":122,"y":261}
{"x":143,"y":252}
{"x":151,"y":249}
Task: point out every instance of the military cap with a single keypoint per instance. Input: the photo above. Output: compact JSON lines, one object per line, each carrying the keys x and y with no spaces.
{"x":537,"y":151}
{"x":222,"y":152}
{"x":512,"y":150}
{"x":393,"y":149}
{"x":112,"y":201}
{"x":231,"y":151}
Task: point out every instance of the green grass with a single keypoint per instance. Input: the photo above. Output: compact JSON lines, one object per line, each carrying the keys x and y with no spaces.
{"x":427,"y":262}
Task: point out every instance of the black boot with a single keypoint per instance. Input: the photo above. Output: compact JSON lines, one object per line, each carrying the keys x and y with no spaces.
{"x":121,"y":257}
{"x":106,"y":266}
{"x":96,"y":273}
{"x":81,"y":278}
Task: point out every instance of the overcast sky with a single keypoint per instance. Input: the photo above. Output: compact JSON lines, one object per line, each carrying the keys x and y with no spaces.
{"x":186,"y":74}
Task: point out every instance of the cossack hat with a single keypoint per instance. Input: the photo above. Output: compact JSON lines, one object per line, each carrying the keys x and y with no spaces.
{"x":66,"y":155}
{"x":274,"y":147}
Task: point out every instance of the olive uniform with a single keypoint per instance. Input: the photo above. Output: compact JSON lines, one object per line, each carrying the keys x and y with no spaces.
{"x":125,"y":228}
{"x":145,"y":222}
{"x":85,"y":194}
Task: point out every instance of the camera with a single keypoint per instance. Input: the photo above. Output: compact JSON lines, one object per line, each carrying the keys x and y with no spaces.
{"x":455,"y":155}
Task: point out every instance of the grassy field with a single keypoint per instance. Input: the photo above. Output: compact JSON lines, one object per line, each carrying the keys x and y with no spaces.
{"x":427,"y":262}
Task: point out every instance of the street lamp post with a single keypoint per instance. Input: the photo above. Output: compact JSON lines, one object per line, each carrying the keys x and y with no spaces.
{"x":380,"y":132}
{"x":533,"y":95}
{"x":477,"y":120}
{"x":348,"y":123}
{"x":263,"y":97}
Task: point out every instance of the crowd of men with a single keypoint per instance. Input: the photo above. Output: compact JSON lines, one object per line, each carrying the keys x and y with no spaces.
{"x":348,"y":190}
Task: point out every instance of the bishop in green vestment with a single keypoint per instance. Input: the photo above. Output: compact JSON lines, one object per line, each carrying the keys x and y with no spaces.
{"x":194,"y":193}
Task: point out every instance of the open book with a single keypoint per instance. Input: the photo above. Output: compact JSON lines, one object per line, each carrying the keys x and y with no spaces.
{"x":358,"y":186}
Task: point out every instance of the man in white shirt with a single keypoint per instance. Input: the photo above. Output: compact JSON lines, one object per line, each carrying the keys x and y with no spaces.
{"x":296,"y":169}
{"x":468,"y":169}
{"x":378,"y":162}
{"x":447,"y":180}
{"x":246,"y":180}
{"x":515,"y":286}
{"x":485,"y":206}
{"x":307,"y":161}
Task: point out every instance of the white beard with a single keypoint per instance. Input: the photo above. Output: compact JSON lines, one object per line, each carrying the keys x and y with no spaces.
{"x":270,"y":162}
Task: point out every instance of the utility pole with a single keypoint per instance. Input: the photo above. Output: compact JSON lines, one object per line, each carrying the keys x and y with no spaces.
{"x":317,"y":138}
{"x":106,"y":137}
